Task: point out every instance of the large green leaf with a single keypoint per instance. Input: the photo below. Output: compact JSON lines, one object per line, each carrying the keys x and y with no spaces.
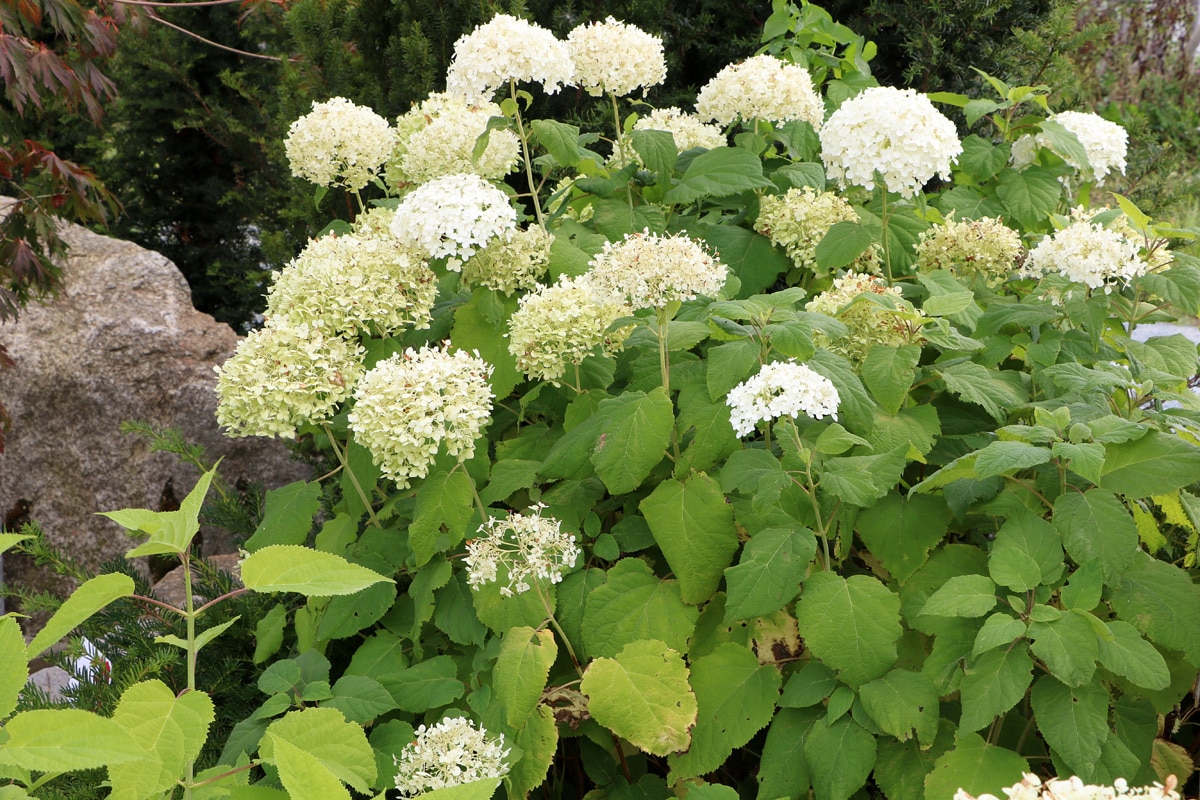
{"x":1000,"y":458}
{"x":287,"y":515}
{"x":888,"y":372}
{"x":993,"y":684}
{"x":324,"y":736}
{"x":432,"y":683}
{"x":840,"y":756}
{"x":768,"y":575}
{"x":1096,"y":526}
{"x":850,"y":624}
{"x":634,"y":604}
{"x":903,"y":703}
{"x":900,"y":530}
{"x":171,"y":730}
{"x":360,"y":698}
{"x":749,"y":256}
{"x":1156,"y":463}
{"x":65,"y":740}
{"x":783,"y":771}
{"x":538,"y":743}
{"x":693,"y":524}
{"x":735,"y":697}
{"x":483,"y":330}
{"x":841,"y":244}
{"x":634,"y":438}
{"x":1067,"y":646}
{"x":14,"y":671}
{"x":901,"y":767}
{"x":996,"y":392}
{"x":93,"y":595}
{"x":445,"y":506}
{"x":643,"y":695}
{"x":657,"y":150}
{"x":289,"y":568}
{"x":302,"y":774}
{"x":1026,"y":553}
{"x":560,"y":140}
{"x":861,"y":480}
{"x":718,"y":173}
{"x":1030,"y":195}
{"x":1162,"y":602}
{"x":169,"y":531}
{"x":522,"y":667}
{"x":962,"y":596}
{"x":1073,"y":721}
{"x":1129,"y":655}
{"x":9,"y":540}
{"x":975,"y":767}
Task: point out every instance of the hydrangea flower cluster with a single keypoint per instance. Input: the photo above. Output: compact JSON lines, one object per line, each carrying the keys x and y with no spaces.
{"x":888,"y":320}
{"x":562,"y":324}
{"x":780,"y":389}
{"x":762,"y":87}
{"x":284,"y":376}
{"x":338,"y":144}
{"x":1106,"y":143}
{"x":509,"y":265}
{"x":612,"y":57}
{"x":450,"y":753}
{"x":354,"y":284}
{"x":1073,"y":788}
{"x":799,"y":219}
{"x":410,"y":406}
{"x":437,"y":138}
{"x":985,"y":247}
{"x":525,"y":547}
{"x":508,"y":49}
{"x":453,"y":217}
{"x":646,"y":270}
{"x":895,"y":132}
{"x":1087,"y":253}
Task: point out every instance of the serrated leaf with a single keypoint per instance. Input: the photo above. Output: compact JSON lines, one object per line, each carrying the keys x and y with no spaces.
{"x":1030,"y":195}
{"x":840,"y":757}
{"x":888,"y":373}
{"x":903,"y":703}
{"x":977,"y":384}
{"x":976,"y":767}
{"x":1064,"y":143}
{"x":93,"y":595}
{"x":718,"y":173}
{"x":1129,"y":655}
{"x":993,"y":684}
{"x":1085,"y":459}
{"x":1156,"y":463}
{"x":900,"y":530}
{"x":360,"y":698}
{"x":559,"y":139}
{"x":324,"y":736}
{"x":1161,"y":602}
{"x":65,"y":740}
{"x":287,"y":515}
{"x":14,"y":671}
{"x":981,"y":160}
{"x":169,"y":531}
{"x":998,"y":630}
{"x":850,"y":624}
{"x":1073,"y":721}
{"x":288,"y":568}
{"x":751,"y":257}
{"x":841,"y":244}
{"x":999,"y":458}
{"x":643,"y":695}
{"x":445,"y":507}
{"x":735,"y":698}
{"x":783,"y":771}
{"x":1026,"y":553}
{"x":861,"y":480}
{"x":962,"y":596}
{"x":538,"y":743}
{"x":769,"y":572}
{"x":1067,"y":646}
{"x":520,"y":673}
{"x":171,"y":730}
{"x":693,"y":525}
{"x":634,"y":604}
{"x":432,"y":683}
{"x":634,"y":438}
{"x":1095,"y":525}
{"x":301,"y":773}
{"x":657,"y":150}
{"x":808,"y":686}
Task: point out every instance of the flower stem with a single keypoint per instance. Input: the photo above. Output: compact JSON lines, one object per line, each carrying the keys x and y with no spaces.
{"x":883,"y":221}
{"x":344,"y":459}
{"x":533,"y":186}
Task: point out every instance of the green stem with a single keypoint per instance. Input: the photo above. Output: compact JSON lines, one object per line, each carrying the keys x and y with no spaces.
{"x":883,"y":220}
{"x":533,"y":187}
{"x":616,"y":119}
{"x":345,"y":461}
{"x":558,"y":628}
{"x":664,"y":365}
{"x":192,"y":651}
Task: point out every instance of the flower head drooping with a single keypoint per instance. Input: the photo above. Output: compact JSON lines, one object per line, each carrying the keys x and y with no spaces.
{"x":646,"y":270}
{"x":616,"y":58}
{"x":521,"y":548}
{"x":437,"y":138}
{"x":453,"y":217}
{"x":1087,"y":253}
{"x":798,"y":220}
{"x":509,"y":265}
{"x":762,"y":87}
{"x":560,"y":325}
{"x":896,"y":132}
{"x":1105,"y":143}
{"x":1073,"y":788}
{"x":450,"y":753}
{"x":985,"y":247}
{"x":338,"y":144}
{"x":507,"y":49}
{"x":355,"y":284}
{"x":873,"y":313}
{"x":416,"y":403}
{"x":284,"y":376}
{"x":780,"y":389}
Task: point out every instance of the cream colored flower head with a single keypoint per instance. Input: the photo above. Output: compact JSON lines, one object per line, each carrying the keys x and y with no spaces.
{"x":1087,"y":253}
{"x":646,"y":270}
{"x":873,"y":313}
{"x":1106,"y":143}
{"x":437,"y":138}
{"x":453,"y":217}
{"x":1073,"y":788}
{"x":508,"y":49}
{"x":338,"y":144}
{"x":450,"y":753}
{"x":520,"y":548}
{"x":560,"y":325}
{"x":798,"y":220}
{"x":895,"y":132}
{"x":762,"y":87}
{"x":418,"y":403}
{"x":780,"y":389}
{"x":354,"y":284}
{"x":510,"y":265}
{"x":615,"y":58}
{"x":985,"y":247}
{"x":283,"y":376}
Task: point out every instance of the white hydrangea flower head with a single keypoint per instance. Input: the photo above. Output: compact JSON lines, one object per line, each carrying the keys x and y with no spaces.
{"x":646,"y":270}
{"x":1023,"y":152}
{"x":561,"y":325}
{"x":450,"y":753}
{"x":522,"y":548}
{"x":780,"y":389}
{"x":453,"y":217}
{"x":437,"y":138}
{"x":985,"y":247}
{"x":873,"y":313}
{"x":613,"y":57}
{"x":338,"y":143}
{"x":895,"y":132}
{"x":1073,"y":788}
{"x":355,"y":284}
{"x":1106,"y":143}
{"x":508,"y":49}
{"x":283,"y":376}
{"x":1158,"y":259}
{"x":799,"y":219}
{"x":1087,"y":253}
{"x":763,"y":87}
{"x":419,"y":402}
{"x":375,"y":221}
{"x":510,"y":265}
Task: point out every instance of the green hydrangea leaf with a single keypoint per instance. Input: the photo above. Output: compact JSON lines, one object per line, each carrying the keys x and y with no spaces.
{"x":303,"y":740}
{"x":768,"y":575}
{"x":171,"y":730}
{"x":784,"y":770}
{"x":287,"y":515}
{"x":1096,"y":526}
{"x":992,"y":684}
{"x":839,"y":757}
{"x":903,"y":703}
{"x":634,"y":438}
{"x":1073,"y":721}
{"x":1161,"y":602}
{"x":93,"y":595}
{"x":1067,"y":646}
{"x":901,"y":530}
{"x":634,"y":604}
{"x":65,"y":740}
{"x":522,"y":667}
{"x":693,"y":524}
{"x":289,"y":568}
{"x":1129,"y":655}
{"x":976,"y":767}
{"x":850,"y":624}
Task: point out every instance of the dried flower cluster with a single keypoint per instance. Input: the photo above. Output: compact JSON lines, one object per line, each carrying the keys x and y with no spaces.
{"x":450,"y":753}
{"x":520,"y":548}
{"x":646,"y":270}
{"x":780,"y":389}
{"x":762,"y":87}
{"x":437,"y":138}
{"x":453,"y":217}
{"x":799,"y":219}
{"x":509,"y":265}
{"x":895,"y":132}
{"x":1087,"y":253}
{"x":508,"y":49}
{"x":614,"y":58}
{"x":873,"y":313}
{"x":985,"y":247}
{"x":338,"y":144}
{"x":1073,"y":788}
{"x":418,"y":403}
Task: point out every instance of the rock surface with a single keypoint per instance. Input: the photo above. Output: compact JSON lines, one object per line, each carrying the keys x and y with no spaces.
{"x":122,"y":341}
